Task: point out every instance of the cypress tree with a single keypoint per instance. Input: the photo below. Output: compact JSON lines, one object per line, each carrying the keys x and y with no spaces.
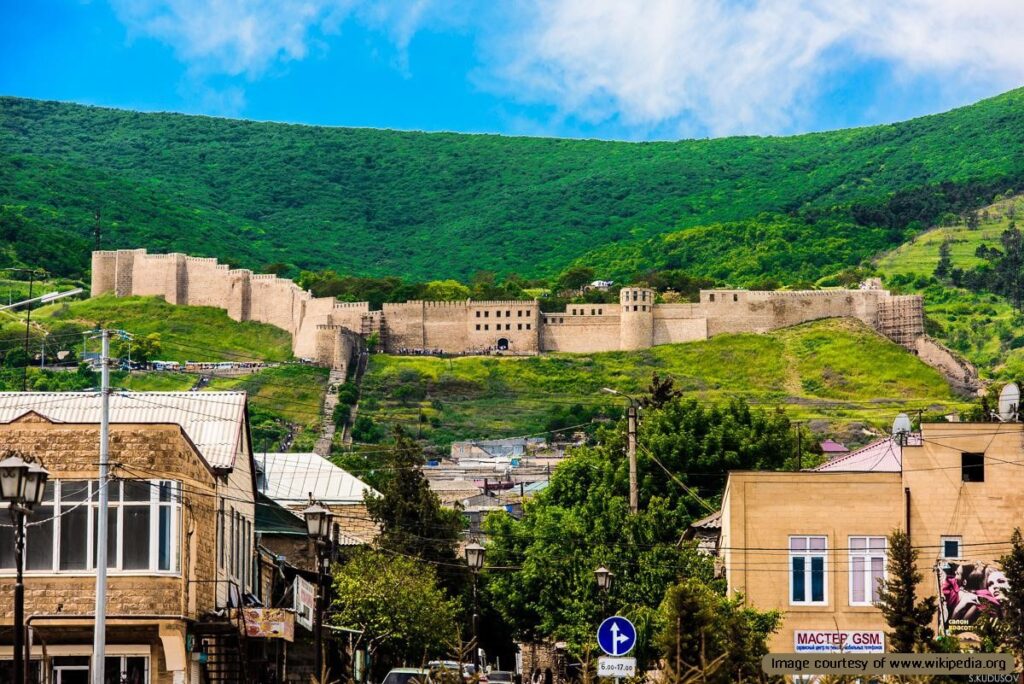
{"x":909,"y":620}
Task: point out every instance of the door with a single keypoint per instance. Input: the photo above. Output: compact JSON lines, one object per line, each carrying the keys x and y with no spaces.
{"x":71,"y":674}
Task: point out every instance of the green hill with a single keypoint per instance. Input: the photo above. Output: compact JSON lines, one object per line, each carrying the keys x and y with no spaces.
{"x":440,"y":205}
{"x":980,"y":325}
{"x":836,"y":371}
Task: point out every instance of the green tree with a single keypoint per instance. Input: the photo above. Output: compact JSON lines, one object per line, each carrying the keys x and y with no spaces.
{"x":404,"y":616}
{"x":582,"y":519}
{"x":445,"y":291}
{"x":140,"y":349}
{"x":1012,"y":622}
{"x":574,"y":277}
{"x":411,"y":518}
{"x":908,"y":619}
{"x":707,"y":633}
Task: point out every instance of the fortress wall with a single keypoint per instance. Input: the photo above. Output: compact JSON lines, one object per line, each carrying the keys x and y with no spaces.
{"x":155,"y":275}
{"x":124,"y":271}
{"x":675,"y":323}
{"x":637,"y":318}
{"x":239,"y":294}
{"x":274,"y":301}
{"x":583,"y":334}
{"x":104,"y":273}
{"x":404,"y":325}
{"x":959,"y":371}
{"x":348,"y":314}
{"x":444,"y":326}
{"x":208,"y":283}
{"x":516,"y":322}
{"x":729,"y":311}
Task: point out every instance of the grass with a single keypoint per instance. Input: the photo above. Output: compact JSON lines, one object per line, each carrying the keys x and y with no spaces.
{"x":982,"y":327}
{"x":187,"y":333}
{"x":293,"y":392}
{"x":835,"y":370}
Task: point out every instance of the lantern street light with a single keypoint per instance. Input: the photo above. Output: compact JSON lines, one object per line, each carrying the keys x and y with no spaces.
{"x":318,"y":526}
{"x":22,"y":482}
{"x":475,"y":561}
{"x":604,"y":578}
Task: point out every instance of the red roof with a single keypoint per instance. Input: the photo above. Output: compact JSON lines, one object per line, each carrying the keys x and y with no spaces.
{"x":830,"y":446}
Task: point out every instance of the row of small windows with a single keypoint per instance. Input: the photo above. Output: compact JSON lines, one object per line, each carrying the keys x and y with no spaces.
{"x":643,"y":295}
{"x":636,"y":307}
{"x":508,"y":313}
{"x":554,"y":320}
{"x":508,"y":326}
{"x":583,"y":312}
{"x":735,"y":297}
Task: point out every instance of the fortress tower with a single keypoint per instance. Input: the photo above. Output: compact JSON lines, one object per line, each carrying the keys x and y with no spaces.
{"x":636,"y":320}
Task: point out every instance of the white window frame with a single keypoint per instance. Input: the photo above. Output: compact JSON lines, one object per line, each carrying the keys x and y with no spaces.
{"x":867,"y":555}
{"x":115,"y":515}
{"x":951,"y":538}
{"x":807,"y":555}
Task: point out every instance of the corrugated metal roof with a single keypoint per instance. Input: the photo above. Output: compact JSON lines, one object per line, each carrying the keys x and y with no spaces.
{"x":882,"y":456}
{"x":290,"y":478}
{"x":212,"y":420}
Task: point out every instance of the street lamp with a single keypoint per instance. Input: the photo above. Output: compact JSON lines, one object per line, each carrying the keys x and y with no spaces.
{"x":22,"y":482}
{"x":318,"y":526}
{"x":475,"y":561}
{"x":604,"y":578}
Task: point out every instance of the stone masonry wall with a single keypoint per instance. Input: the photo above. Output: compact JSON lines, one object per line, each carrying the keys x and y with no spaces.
{"x":71,"y":451}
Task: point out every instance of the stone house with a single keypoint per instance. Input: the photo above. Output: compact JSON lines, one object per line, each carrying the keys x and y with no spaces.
{"x":181,"y":545}
{"x":812,"y":544}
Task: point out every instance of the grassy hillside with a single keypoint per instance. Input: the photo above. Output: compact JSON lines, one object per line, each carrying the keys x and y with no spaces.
{"x":836,"y":370}
{"x":442,"y":205}
{"x":982,"y":327}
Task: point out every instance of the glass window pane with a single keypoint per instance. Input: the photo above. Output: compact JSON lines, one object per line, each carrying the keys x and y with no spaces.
{"x":857,"y":543}
{"x":164,"y":550}
{"x":816,"y":544}
{"x":111,"y":535}
{"x":39,"y":540}
{"x":112,"y":670}
{"x":74,"y":490}
{"x":877,"y":543}
{"x":857,"y":579}
{"x":135,"y":547}
{"x":798,"y":543}
{"x":74,"y":535}
{"x":951,"y":548}
{"x":877,"y":573}
{"x":137,"y":490}
{"x":135,"y":670}
{"x":817,"y":579}
{"x":48,"y":491}
{"x":6,"y":542}
{"x":166,"y":488}
{"x":798,"y":579}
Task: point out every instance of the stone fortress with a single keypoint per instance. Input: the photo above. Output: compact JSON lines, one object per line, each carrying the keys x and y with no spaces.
{"x":330,"y":332}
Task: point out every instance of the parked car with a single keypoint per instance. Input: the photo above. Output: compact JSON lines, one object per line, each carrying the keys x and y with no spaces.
{"x":501,"y":677}
{"x":408,"y":675}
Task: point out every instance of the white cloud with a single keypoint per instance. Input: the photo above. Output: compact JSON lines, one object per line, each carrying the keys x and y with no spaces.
{"x":749,"y":66}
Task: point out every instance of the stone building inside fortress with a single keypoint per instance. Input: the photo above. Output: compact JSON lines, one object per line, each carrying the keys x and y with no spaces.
{"x":329,"y":331}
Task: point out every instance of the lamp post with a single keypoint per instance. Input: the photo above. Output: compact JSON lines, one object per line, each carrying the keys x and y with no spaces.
{"x":634,"y":493}
{"x":22,"y":482}
{"x":604,"y":578}
{"x":475,"y":561}
{"x":318,"y":527}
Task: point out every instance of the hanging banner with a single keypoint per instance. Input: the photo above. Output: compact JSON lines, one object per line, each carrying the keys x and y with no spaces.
{"x":305,"y":602}
{"x":269,"y":623}
{"x":971,"y":591}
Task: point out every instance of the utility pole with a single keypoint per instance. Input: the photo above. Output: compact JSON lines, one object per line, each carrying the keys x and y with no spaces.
{"x":28,"y":325}
{"x":799,"y":449}
{"x":634,"y":494}
{"x":99,"y":643}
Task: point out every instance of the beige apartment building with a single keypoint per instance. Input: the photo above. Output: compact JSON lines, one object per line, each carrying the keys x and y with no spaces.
{"x":812,"y":544}
{"x":181,"y":535}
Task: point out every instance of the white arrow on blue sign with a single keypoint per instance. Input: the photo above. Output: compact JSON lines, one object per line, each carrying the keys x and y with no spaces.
{"x":616,"y":636}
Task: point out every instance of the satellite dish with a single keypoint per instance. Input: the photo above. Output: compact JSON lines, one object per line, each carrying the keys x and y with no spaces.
{"x":1009,"y":402}
{"x":901,"y":427}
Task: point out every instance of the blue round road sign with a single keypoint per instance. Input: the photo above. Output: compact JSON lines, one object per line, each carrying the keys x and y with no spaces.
{"x":616,"y":636}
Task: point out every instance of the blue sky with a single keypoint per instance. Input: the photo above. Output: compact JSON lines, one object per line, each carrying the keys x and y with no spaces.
{"x":642,"y":70}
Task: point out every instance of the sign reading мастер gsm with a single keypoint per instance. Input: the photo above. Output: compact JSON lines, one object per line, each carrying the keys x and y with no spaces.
{"x":888,"y":663}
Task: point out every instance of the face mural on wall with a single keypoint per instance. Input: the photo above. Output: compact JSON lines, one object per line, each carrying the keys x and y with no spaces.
{"x":970,"y":591}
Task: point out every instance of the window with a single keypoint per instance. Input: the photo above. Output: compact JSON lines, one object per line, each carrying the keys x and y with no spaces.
{"x":972,"y":467}
{"x":635,"y":307}
{"x":519,"y":326}
{"x":131,"y":669}
{"x":527,"y":326}
{"x":634,"y":295}
{"x":644,"y":308}
{"x":519,"y":313}
{"x":508,"y":314}
{"x":143,"y":517}
{"x":599,"y":312}
{"x":867,"y":567}
{"x":735,"y":297}
{"x":497,"y":314}
{"x":486,"y":314}
{"x":478,"y":314}
{"x":950,"y":547}
{"x":807,"y":570}
{"x":477,"y":326}
{"x":508,"y":326}
{"x":711,"y":297}
{"x":487,"y":326}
